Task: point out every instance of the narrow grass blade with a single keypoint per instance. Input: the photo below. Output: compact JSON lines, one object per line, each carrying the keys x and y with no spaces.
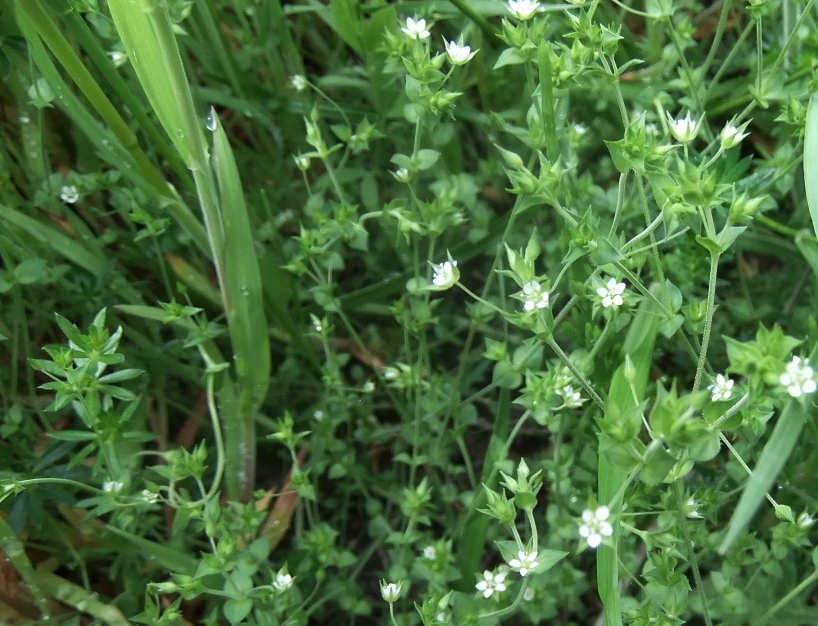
{"x":60,"y":243}
{"x":811,"y":160}
{"x":475,"y":530}
{"x":15,"y":552}
{"x":638,"y":345}
{"x":244,"y":304}
{"x":772,"y":460}
{"x":81,"y":599}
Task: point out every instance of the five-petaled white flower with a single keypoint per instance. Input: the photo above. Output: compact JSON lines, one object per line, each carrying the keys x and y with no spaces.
{"x":69,"y":194}
{"x":523,"y":9}
{"x":684,"y":129}
{"x":391,"y":591}
{"x":415,"y":29}
{"x":611,"y":294}
{"x":446,"y":275}
{"x":492,"y":582}
{"x":722,"y":389}
{"x":298,"y":82}
{"x":458,"y":55}
{"x":534,"y":296}
{"x":525,"y":562}
{"x":595,"y":526}
{"x":732,"y":136}
{"x":798,"y":377}
{"x":283,"y":581}
{"x":571,"y":399}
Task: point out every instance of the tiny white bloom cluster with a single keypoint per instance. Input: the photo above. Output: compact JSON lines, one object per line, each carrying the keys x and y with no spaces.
{"x":298,"y":82}
{"x":523,"y":9}
{"x":69,"y":194}
{"x":391,"y":591}
{"x":493,"y":582}
{"x":571,"y":399}
{"x":534,"y":296}
{"x":722,"y":389}
{"x":524,"y":563}
{"x":595,"y":526}
{"x":798,"y":377}
{"x":684,"y":129}
{"x":611,"y":293}
{"x":458,"y":54}
{"x":415,"y":29}
{"x":446,"y":275}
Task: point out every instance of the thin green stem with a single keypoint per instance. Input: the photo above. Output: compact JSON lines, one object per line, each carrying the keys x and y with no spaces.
{"x":586,"y":384}
{"x":708,"y":322}
{"x":789,"y":597}
{"x":697,"y":576}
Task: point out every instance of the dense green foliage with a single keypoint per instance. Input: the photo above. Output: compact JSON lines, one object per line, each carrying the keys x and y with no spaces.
{"x":431,"y":312}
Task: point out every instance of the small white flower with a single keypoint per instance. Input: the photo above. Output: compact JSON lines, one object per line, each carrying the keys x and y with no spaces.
{"x":528,"y":594}
{"x":525,"y":562}
{"x":523,"y":9}
{"x":283,"y":581}
{"x":534,"y":297}
{"x":805,"y":520}
{"x":298,"y":82}
{"x":429,"y":552}
{"x":595,"y":526}
{"x":318,"y":416}
{"x":302,"y":162}
{"x":691,"y":509}
{"x":151,"y":497}
{"x":69,"y":194}
{"x":391,"y":591}
{"x":118,"y":58}
{"x":722,"y":389}
{"x":415,"y":29}
{"x":684,"y":129}
{"x":369,"y":387}
{"x":442,"y":617}
{"x":112,"y":486}
{"x":798,"y":378}
{"x":390,"y":373}
{"x":732,"y":136}
{"x":492,"y":582}
{"x":24,"y":118}
{"x":571,"y":399}
{"x":611,"y":294}
{"x":458,"y":55}
{"x":402,"y":175}
{"x":580,"y":130}
{"x":446,"y":275}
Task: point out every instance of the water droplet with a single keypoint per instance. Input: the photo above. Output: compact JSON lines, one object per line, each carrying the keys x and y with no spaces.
{"x":212,"y":120}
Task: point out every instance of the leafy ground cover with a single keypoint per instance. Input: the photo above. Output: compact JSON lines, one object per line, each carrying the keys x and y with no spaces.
{"x":431,"y":312}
